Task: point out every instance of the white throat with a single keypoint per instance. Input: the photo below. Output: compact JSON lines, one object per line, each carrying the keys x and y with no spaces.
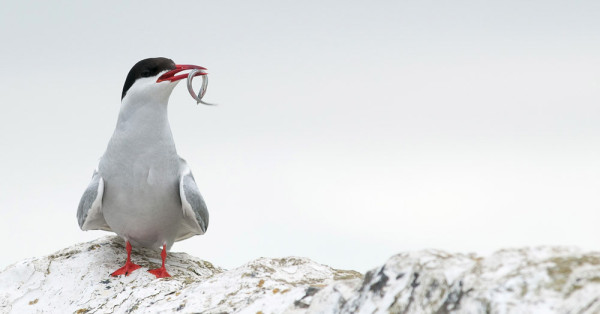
{"x":145,"y":92}
{"x":143,"y":121}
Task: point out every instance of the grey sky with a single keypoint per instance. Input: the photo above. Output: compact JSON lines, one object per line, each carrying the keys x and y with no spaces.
{"x":346,"y":131}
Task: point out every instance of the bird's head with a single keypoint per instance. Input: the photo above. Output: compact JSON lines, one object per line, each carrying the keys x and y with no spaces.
{"x":154,"y":79}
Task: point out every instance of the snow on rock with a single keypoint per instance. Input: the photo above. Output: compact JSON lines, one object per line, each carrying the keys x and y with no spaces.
{"x":76,"y":280}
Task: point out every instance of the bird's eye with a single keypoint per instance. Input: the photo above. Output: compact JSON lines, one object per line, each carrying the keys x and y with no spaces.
{"x":145,"y":73}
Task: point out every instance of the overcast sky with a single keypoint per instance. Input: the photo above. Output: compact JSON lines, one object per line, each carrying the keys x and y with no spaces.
{"x":346,"y":131}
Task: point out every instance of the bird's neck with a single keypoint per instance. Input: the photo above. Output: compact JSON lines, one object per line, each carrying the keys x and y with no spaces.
{"x":143,"y":110}
{"x":144,"y":124}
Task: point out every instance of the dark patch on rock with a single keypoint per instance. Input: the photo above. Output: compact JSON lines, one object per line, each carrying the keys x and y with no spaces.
{"x":400,"y":275}
{"x":432,"y":287}
{"x":310,"y":291}
{"x":368,"y":278}
{"x":379,"y":284}
{"x":106,"y":281}
{"x":452,"y":302}
{"x":300,"y":304}
{"x":414,"y":283}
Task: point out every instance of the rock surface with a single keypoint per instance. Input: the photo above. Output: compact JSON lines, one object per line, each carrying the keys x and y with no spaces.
{"x":76,"y":280}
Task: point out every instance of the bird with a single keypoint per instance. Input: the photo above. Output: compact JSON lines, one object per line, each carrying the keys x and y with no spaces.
{"x":141,"y":189}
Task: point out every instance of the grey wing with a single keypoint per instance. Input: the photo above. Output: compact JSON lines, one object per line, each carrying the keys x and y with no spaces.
{"x":89,"y":213}
{"x":194,"y":209}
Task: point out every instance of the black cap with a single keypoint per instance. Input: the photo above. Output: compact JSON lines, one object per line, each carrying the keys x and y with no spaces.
{"x":147,"y":68}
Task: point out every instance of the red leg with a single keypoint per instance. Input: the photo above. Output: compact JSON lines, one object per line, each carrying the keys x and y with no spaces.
{"x":129,"y":266}
{"x":162,"y":271}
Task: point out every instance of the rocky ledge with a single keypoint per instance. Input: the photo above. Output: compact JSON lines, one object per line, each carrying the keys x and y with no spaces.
{"x":76,"y":280}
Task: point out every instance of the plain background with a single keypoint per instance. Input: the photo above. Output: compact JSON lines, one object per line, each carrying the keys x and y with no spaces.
{"x":346,"y":131}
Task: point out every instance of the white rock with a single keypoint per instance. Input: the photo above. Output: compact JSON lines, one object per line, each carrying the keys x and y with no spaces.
{"x":76,"y":280}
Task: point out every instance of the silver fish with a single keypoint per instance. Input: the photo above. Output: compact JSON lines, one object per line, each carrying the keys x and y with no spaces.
{"x":202,"y":91}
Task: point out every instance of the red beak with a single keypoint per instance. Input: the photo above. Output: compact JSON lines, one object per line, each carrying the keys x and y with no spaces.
{"x":170,"y":76}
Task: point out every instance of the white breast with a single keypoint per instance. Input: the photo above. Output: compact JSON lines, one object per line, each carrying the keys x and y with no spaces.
{"x":141,"y":175}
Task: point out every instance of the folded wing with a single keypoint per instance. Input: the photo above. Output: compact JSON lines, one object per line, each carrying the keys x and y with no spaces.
{"x":89,"y":213}
{"x":194,"y":209}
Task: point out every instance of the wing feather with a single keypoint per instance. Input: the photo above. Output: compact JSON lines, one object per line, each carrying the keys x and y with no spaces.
{"x":193,"y":205}
{"x":89,"y":213}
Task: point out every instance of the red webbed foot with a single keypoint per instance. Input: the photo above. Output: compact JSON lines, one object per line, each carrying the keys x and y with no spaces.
{"x":162,"y":271}
{"x":125,"y":270}
{"x":159,"y":272}
{"x":129,"y":266}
